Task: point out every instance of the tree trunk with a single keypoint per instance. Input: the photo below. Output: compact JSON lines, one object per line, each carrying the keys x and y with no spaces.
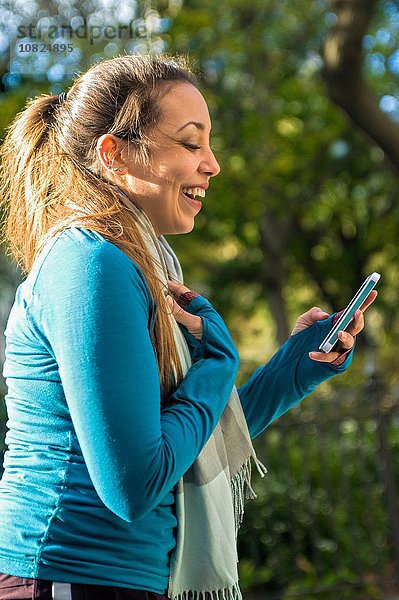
{"x":343,"y":60}
{"x":274,"y":233}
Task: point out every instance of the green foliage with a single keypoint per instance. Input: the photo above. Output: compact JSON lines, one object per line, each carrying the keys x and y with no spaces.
{"x":289,"y":160}
{"x":319,"y":520}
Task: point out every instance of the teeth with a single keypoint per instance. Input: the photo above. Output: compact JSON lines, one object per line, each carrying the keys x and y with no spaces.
{"x":195,"y":191}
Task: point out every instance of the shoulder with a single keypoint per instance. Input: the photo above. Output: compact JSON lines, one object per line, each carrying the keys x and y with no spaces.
{"x":83,"y":259}
{"x":77,"y":244}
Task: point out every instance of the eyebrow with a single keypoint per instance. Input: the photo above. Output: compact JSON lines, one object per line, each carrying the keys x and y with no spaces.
{"x":200,"y":126}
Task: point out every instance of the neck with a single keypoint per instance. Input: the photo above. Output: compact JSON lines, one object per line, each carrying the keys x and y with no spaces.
{"x":133,"y":206}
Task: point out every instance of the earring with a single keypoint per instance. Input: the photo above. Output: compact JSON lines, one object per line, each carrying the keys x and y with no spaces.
{"x":118,"y":169}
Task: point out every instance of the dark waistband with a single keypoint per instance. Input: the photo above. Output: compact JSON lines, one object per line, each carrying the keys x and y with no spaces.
{"x":20,"y":588}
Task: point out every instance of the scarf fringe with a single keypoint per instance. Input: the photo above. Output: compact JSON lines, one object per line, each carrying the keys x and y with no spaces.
{"x":231,"y":593}
{"x":259,"y":465}
{"x":242,"y":490}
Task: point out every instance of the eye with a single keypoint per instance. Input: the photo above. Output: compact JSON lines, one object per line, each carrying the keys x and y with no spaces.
{"x":191,"y":146}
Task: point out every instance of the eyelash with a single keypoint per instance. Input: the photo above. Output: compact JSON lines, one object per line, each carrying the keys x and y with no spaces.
{"x":191,"y":146}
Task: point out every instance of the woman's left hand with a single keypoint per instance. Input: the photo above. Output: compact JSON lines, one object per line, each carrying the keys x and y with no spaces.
{"x":346,"y":338}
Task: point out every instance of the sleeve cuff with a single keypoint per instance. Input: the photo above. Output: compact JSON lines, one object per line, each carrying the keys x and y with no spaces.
{"x":342,"y":358}
{"x":336,"y":317}
{"x":185,"y":299}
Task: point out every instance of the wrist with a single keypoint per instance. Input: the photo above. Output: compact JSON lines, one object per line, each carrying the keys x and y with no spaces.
{"x":185,"y":298}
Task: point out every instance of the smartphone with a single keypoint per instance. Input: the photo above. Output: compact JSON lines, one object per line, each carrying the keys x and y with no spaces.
{"x":347,"y":315}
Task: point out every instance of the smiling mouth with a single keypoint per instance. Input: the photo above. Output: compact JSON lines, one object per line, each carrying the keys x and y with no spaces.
{"x":197,"y":204}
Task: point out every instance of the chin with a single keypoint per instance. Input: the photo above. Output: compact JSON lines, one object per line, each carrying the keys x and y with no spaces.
{"x":183,"y":228}
{"x":190,"y":228}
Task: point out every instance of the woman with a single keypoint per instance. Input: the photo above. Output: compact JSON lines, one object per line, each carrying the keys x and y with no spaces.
{"x":129,"y":447}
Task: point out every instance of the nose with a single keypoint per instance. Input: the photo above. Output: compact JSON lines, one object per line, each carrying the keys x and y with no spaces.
{"x":209,"y":165}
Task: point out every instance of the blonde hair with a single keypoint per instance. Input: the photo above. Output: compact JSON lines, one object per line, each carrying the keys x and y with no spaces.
{"x":50,"y":167}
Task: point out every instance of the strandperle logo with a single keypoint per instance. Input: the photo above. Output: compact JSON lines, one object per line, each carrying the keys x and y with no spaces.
{"x":83,"y":31}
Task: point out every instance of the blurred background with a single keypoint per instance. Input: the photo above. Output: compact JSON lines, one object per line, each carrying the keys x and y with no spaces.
{"x":304,"y":99}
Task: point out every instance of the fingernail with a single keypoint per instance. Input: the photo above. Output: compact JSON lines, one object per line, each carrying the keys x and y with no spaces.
{"x":311,"y":354}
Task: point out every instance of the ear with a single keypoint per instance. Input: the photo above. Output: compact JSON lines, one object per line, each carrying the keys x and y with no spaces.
{"x":109,"y":149}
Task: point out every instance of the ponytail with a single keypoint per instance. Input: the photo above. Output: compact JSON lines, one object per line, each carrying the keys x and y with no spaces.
{"x":29,"y":161}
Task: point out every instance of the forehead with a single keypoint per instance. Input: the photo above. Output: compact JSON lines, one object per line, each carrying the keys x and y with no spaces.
{"x":183,"y":103}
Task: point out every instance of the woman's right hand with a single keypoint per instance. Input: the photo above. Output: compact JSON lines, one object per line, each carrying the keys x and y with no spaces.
{"x":193,"y":323}
{"x":209,"y":328}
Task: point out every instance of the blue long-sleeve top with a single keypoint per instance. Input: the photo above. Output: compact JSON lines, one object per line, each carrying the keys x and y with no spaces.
{"x":87,"y":493}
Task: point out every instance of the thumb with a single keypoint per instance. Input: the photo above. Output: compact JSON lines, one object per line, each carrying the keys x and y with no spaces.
{"x":192,"y":322}
{"x":308,"y":318}
{"x":317,"y":314}
{"x":178,"y":312}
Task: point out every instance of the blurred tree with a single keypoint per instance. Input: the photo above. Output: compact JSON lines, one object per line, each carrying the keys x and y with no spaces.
{"x":300,"y":205}
{"x":344,"y":73}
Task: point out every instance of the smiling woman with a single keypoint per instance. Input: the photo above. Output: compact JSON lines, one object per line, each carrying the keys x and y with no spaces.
{"x":129,"y":446}
{"x":182,"y":162}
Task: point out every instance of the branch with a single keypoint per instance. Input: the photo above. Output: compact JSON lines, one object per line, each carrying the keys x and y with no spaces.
{"x":343,"y":60}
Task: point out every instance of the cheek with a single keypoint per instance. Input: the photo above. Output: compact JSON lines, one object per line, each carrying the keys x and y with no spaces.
{"x":174,"y":168}
{"x":185,"y":170}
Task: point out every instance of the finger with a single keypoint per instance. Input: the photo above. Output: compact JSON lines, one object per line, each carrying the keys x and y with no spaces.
{"x":173,"y":284}
{"x":178,"y":312}
{"x":193,"y":323}
{"x":369,"y":300}
{"x":317,"y":314}
{"x":309,"y":318}
{"x":323,"y":357}
{"x":347,"y":342}
{"x":346,"y":339}
{"x":181,"y":315}
{"x":177,"y":288}
{"x":312,"y":315}
{"x":357,"y":323}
